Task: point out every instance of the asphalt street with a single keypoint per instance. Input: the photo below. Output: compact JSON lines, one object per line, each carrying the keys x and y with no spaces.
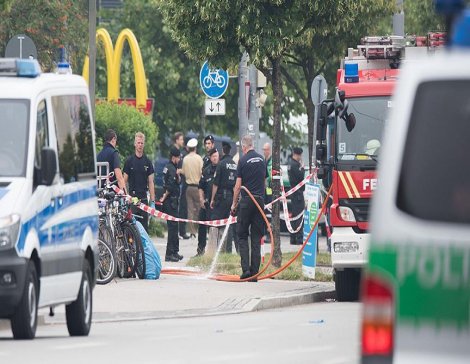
{"x":325,"y":333}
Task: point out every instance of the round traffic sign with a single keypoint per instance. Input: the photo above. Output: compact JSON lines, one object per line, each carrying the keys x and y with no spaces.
{"x":214,"y":82}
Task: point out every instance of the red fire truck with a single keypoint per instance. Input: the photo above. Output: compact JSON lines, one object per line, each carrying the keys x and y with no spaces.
{"x":349,"y":137}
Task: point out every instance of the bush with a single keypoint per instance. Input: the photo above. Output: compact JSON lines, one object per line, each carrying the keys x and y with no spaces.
{"x":157,"y":228}
{"x":125,"y":120}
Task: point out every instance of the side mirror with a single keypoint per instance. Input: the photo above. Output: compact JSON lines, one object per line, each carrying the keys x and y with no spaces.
{"x":320,"y":152}
{"x":322,"y":122}
{"x":350,"y":121}
{"x":48,"y":166}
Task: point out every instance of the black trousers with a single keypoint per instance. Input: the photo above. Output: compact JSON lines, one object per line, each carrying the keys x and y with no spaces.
{"x":221,"y":210}
{"x":170,"y":206}
{"x":144,"y":217}
{"x":183,"y":209}
{"x":250,"y":222}
{"x":204,"y":215}
{"x":297,"y":206}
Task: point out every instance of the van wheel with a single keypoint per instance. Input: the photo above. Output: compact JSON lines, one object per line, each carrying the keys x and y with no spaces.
{"x":25,"y":319}
{"x":78,"y":313}
{"x":347,"y":283}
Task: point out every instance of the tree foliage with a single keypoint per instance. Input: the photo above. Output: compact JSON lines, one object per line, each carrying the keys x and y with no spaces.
{"x":126,"y":121}
{"x":49,"y":24}
{"x":173,"y":79}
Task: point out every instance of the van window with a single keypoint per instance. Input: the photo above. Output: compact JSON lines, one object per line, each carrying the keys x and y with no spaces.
{"x":74,"y":137}
{"x":42,"y":138}
{"x":435,"y":174}
{"x":14,"y":127}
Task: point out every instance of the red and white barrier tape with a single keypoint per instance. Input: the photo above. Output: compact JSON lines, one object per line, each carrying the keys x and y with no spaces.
{"x":222,"y":222}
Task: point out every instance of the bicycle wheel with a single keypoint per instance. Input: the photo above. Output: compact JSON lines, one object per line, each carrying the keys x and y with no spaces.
{"x":140,"y":261}
{"x":106,"y":263}
{"x":129,"y":251}
{"x":106,"y":235}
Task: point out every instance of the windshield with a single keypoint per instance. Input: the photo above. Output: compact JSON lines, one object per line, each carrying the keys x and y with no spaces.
{"x":14,"y":117}
{"x":366,"y":137}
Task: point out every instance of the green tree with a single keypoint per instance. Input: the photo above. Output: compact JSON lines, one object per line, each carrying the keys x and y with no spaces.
{"x":125,"y":120}
{"x":173,"y":78}
{"x":267,"y":30}
{"x":50,"y":24}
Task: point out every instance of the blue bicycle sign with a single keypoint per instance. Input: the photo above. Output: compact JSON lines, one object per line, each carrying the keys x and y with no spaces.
{"x":213,"y":82}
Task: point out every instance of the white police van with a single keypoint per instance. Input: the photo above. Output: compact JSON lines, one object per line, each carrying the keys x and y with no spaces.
{"x":48,"y":203}
{"x":416,"y":290}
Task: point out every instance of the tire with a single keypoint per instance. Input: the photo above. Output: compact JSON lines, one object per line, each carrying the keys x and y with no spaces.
{"x":107,"y":265}
{"x":136,"y":249}
{"x":78,"y":313}
{"x":106,"y":236}
{"x":347,"y":283}
{"x":140,"y":262}
{"x":130,"y":236}
{"x":24,"y":320}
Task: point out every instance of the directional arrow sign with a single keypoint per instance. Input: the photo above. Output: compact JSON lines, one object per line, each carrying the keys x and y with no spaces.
{"x":215,"y":107}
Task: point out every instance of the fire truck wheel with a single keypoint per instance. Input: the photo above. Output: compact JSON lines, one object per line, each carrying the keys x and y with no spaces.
{"x":347,"y":284}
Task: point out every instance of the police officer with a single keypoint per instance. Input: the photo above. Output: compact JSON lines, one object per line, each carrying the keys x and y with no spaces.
{"x":138,"y":172}
{"x":110,"y":154}
{"x":222,"y":191}
{"x":171,"y":186}
{"x":209,"y":143}
{"x":205,"y":190}
{"x":180,"y":143}
{"x":251,"y":172}
{"x":296,"y":174}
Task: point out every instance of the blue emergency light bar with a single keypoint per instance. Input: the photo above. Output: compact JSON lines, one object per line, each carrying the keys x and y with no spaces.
{"x":13,"y":67}
{"x":351,"y":72}
{"x":461,"y":32}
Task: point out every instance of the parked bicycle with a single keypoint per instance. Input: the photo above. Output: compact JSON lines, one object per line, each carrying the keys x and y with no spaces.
{"x":121,"y":249}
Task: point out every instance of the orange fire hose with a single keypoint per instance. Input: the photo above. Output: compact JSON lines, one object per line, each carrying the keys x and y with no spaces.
{"x":235,"y":278}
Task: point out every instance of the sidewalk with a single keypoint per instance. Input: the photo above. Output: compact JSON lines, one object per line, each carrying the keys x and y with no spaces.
{"x":174,"y":296}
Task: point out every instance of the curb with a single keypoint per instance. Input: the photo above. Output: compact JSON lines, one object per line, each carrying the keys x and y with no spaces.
{"x":229,"y":307}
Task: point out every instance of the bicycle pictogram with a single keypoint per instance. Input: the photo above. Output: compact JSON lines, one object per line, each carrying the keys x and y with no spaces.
{"x":214,"y":77}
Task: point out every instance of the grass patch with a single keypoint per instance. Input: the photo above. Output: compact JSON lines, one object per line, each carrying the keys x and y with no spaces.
{"x":157,"y":228}
{"x":230,"y":264}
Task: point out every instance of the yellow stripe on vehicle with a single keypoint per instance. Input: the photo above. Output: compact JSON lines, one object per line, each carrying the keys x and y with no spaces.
{"x":345,"y":184}
{"x":353,"y":185}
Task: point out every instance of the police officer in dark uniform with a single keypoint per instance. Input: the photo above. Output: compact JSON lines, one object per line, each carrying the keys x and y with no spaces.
{"x":222,"y":191}
{"x":171,"y":186}
{"x":296,"y":174}
{"x":110,"y":154}
{"x":209,"y":144}
{"x":138,"y":172}
{"x":251,"y":173}
{"x":205,"y":193}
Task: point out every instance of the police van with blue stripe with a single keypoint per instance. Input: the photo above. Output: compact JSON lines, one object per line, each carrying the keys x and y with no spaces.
{"x":48,"y":203}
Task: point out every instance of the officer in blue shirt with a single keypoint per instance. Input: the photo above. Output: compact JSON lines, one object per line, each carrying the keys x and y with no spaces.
{"x":110,"y":154}
{"x":251,"y":173}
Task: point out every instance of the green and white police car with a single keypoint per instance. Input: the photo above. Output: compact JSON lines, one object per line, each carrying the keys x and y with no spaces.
{"x":416,"y":291}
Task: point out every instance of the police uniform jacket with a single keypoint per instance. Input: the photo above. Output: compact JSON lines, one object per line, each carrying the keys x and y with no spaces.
{"x":111,"y":155}
{"x":171,"y":181}
{"x":207,"y":178}
{"x":225,"y":175}
{"x":296,"y":175}
{"x":206,"y":161}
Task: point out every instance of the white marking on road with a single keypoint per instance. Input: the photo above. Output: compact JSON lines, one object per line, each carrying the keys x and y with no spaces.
{"x":231,"y":357}
{"x":79,"y":346}
{"x":170,"y":337}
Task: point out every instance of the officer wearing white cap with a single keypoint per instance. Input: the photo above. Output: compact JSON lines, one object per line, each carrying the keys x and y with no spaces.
{"x":192,"y":170}
{"x":296,"y":174}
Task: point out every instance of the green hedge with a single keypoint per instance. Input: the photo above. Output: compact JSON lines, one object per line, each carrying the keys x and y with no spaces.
{"x":125,"y":120}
